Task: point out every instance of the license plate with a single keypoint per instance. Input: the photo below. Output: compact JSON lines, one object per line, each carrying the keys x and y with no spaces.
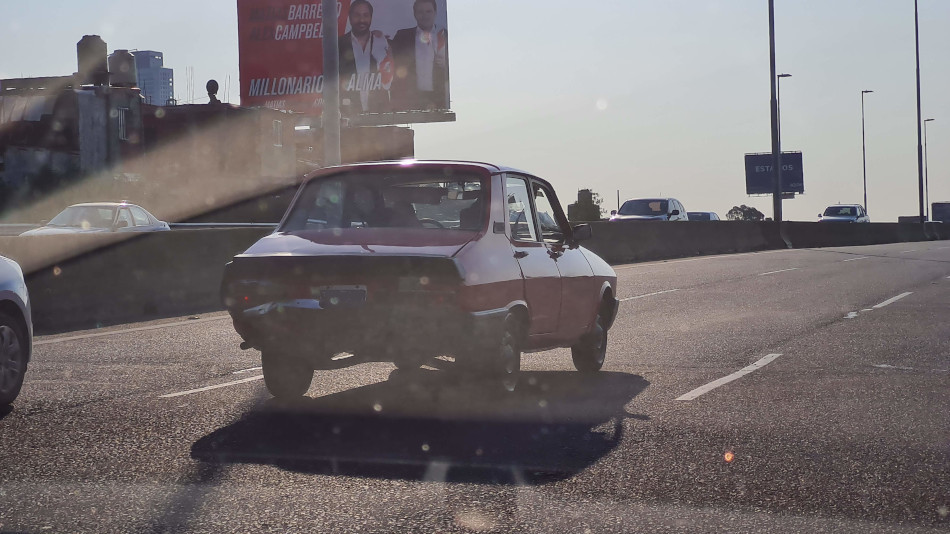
{"x":341,"y":296}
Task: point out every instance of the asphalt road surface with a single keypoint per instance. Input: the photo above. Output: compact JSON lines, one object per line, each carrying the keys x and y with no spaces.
{"x":788,"y":391}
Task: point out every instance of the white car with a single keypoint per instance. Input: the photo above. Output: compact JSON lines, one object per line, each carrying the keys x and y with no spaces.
{"x":846,"y":213}
{"x":650,"y":209}
{"x":16,"y":330}
{"x":98,"y":217}
{"x":703,"y":216}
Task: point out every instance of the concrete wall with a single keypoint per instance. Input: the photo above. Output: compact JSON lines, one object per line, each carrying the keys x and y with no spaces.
{"x":80,"y":281}
{"x":119,"y":280}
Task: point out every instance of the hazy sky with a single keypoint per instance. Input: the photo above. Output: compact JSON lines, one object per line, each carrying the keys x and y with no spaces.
{"x":659,"y":97}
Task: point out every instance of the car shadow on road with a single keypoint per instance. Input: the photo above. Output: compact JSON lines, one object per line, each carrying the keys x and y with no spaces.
{"x":431,"y":425}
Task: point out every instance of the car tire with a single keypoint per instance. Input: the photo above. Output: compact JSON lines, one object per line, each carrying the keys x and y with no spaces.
{"x":589,"y":354}
{"x":286,"y":376}
{"x":506,"y":364}
{"x":14,"y":353}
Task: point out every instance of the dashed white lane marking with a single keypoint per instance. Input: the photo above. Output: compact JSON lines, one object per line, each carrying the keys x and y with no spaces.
{"x":649,"y":295}
{"x":892,"y":300}
{"x":209,"y":388}
{"x":701,"y":258}
{"x":908,"y":251}
{"x":130,"y":330}
{"x":242,"y":371}
{"x":726,"y":379}
{"x":851,"y":315}
{"x":855,"y":259}
{"x":779,"y":271}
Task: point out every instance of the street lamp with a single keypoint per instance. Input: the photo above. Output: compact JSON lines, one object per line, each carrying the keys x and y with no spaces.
{"x":926,"y":171}
{"x":864,"y":152}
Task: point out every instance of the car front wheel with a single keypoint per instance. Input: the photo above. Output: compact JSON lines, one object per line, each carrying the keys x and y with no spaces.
{"x":589,"y":354}
{"x":286,"y":376}
{"x":13,"y":356}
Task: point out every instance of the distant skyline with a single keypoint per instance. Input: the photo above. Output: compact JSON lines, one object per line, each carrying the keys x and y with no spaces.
{"x":651,"y":98}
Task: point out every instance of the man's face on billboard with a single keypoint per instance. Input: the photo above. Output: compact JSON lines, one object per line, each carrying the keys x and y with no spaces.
{"x":425,"y":15}
{"x":361,"y":19}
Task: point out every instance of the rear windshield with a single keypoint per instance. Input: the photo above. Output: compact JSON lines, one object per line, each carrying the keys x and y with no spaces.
{"x":430,"y":199}
{"x":698,"y":216}
{"x":645,"y":206}
{"x":841,"y":211}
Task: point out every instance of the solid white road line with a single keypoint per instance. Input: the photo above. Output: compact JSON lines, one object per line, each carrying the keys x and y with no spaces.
{"x":247,"y":370}
{"x":726,"y":379}
{"x":649,"y":295}
{"x":780,"y":271}
{"x":892,"y":300}
{"x":209,"y":388}
{"x":856,"y":259}
{"x":129,"y":330}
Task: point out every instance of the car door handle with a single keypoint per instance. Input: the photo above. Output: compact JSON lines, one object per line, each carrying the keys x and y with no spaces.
{"x":520,"y":254}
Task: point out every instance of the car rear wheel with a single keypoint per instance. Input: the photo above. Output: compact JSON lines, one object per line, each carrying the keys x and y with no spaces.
{"x":286,"y":376}
{"x":507,"y":354}
{"x":13,"y":357}
{"x":589,"y":354}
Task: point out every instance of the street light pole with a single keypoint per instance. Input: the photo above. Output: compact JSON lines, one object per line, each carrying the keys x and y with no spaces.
{"x":776,"y":144}
{"x":926,"y":170}
{"x":864,"y":152}
{"x":920,"y":151}
{"x":778,"y":113}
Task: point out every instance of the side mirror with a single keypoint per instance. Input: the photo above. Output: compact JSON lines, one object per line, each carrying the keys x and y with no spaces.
{"x":582,"y":232}
{"x":613,"y":212}
{"x":674,"y":213}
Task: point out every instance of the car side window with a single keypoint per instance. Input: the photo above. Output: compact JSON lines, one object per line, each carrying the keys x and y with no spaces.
{"x":125,"y":219}
{"x":140,"y":217}
{"x":520,"y":216}
{"x":551,"y":231}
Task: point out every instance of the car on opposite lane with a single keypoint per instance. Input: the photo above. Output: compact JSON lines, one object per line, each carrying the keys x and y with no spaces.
{"x":844,"y":213}
{"x":99,"y":217}
{"x":16,"y":330}
{"x":650,"y":209}
{"x":404,"y":262}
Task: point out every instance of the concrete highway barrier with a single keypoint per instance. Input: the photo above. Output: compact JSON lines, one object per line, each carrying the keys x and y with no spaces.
{"x":79,"y":281}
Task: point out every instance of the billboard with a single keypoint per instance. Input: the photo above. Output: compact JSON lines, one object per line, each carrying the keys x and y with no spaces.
{"x":759,"y":177}
{"x":393,"y":55}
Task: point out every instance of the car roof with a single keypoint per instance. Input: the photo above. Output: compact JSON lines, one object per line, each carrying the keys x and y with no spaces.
{"x":490,"y":167}
{"x":103,"y":205}
{"x":650,"y":198}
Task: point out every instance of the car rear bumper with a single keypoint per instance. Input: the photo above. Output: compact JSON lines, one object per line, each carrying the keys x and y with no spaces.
{"x":373,"y":329}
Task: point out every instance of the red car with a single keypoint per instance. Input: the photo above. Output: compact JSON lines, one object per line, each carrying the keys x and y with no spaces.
{"x":406,"y":261}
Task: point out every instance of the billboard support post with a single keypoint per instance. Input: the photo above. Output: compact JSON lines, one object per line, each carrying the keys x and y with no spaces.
{"x":776,"y":146}
{"x":331,"y":84}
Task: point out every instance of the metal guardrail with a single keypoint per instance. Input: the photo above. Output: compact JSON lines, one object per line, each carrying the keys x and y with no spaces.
{"x":206,"y":226}
{"x":15,"y":229}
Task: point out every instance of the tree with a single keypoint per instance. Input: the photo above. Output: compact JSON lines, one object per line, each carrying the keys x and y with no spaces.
{"x":744,"y":213}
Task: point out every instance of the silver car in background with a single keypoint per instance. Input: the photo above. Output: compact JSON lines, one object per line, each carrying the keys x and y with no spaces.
{"x":16,"y":330}
{"x":650,"y":209}
{"x":846,"y":213}
{"x":98,"y":217}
